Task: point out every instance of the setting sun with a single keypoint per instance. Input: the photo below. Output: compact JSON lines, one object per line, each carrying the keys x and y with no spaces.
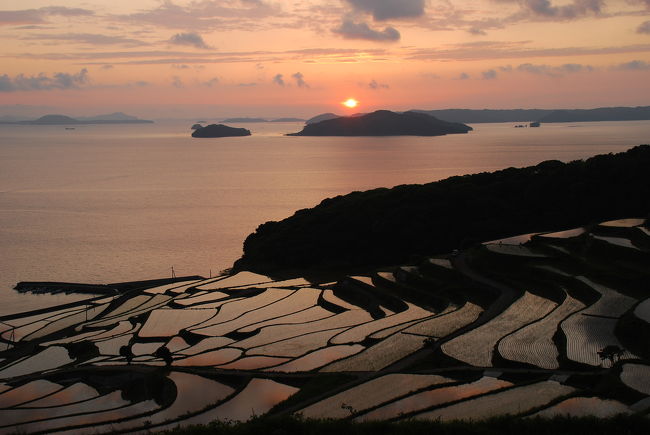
{"x":350,"y":102}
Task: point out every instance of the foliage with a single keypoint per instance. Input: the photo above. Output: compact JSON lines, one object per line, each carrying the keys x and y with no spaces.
{"x":388,"y":226}
{"x":497,"y":426}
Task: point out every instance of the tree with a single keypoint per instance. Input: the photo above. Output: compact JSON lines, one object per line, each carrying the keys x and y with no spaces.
{"x":127,"y":353}
{"x":611,"y":352}
{"x":164,"y":354}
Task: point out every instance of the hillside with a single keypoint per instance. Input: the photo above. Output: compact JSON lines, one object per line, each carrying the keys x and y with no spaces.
{"x":388,"y":226}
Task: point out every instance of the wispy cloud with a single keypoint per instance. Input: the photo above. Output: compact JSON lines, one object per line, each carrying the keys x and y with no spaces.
{"x":489,"y":74}
{"x":554,"y":71}
{"x":375,"y":85}
{"x":40,"y":15}
{"x":85,"y":38}
{"x":210,"y":83}
{"x":353,"y":30}
{"x":634,"y":65}
{"x":43,"y":82}
{"x":204,"y":14}
{"x":644,"y":27}
{"x":177,"y":82}
{"x":192,"y":39}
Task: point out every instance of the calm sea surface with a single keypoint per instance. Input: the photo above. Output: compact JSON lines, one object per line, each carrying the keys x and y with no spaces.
{"x":115,"y":203}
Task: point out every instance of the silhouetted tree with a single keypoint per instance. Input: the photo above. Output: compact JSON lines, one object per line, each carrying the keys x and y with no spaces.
{"x":164,"y":354}
{"x":127,"y":353}
{"x":82,"y":350}
{"x":611,"y":352}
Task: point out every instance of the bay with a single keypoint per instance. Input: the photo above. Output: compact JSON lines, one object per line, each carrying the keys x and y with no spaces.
{"x":112,"y":203}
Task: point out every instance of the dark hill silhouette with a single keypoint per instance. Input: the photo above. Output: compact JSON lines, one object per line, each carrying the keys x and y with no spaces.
{"x":322,"y":117}
{"x":383,"y":123}
{"x":600,"y":114}
{"x":389,"y":226}
{"x":54,"y":119}
{"x":219,"y":130}
{"x":242,"y":120}
{"x":471,"y":116}
{"x":115,"y":118}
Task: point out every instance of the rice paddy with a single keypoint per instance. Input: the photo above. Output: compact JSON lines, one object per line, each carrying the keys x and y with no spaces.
{"x":236,"y":346}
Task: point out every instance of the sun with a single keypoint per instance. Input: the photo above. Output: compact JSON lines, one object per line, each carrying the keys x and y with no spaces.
{"x":351,"y":103}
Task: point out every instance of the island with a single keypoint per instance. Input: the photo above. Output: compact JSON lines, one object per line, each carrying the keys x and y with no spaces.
{"x":383,"y":123}
{"x":113,"y":118}
{"x":219,"y":130}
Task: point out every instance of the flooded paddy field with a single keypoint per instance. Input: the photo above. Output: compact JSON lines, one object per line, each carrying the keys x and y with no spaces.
{"x":540,"y":325}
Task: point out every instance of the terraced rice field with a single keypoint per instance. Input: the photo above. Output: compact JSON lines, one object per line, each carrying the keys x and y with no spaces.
{"x":371,"y":394}
{"x":637,"y":377}
{"x":238,"y":345}
{"x":533,"y":344}
{"x":434,"y":397}
{"x":477,"y":346}
{"x":512,"y":401}
{"x":586,"y":335}
{"x":585,"y":406}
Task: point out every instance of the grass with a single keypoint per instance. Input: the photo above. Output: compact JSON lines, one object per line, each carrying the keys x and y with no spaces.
{"x":507,"y":425}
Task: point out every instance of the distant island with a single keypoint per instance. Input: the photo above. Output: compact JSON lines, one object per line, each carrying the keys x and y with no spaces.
{"x":113,"y":118}
{"x":255,"y":120}
{"x":383,"y":123}
{"x":219,"y":130}
{"x":472,"y":116}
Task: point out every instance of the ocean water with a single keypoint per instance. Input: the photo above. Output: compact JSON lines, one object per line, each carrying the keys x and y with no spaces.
{"x":113,"y":203}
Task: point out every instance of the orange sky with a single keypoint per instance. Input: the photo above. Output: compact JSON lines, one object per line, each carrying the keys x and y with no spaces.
{"x":187,"y":58}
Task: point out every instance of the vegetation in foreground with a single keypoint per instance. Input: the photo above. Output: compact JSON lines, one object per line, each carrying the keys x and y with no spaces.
{"x":621,"y":424}
{"x":388,"y":226}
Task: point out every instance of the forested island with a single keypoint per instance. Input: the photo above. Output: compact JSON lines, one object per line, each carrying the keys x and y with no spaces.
{"x":389,"y":226}
{"x":219,"y":130}
{"x":383,"y":123}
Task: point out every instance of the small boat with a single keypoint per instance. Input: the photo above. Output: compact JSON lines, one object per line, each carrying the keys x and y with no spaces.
{"x":70,"y":128}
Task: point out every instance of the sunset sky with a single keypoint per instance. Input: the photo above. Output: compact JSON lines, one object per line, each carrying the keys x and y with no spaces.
{"x":184,"y":58}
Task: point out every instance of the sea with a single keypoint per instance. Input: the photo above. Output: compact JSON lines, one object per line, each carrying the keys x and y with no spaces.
{"x":115,"y":203}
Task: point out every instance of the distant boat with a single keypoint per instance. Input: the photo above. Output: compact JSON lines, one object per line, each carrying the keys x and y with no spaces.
{"x":534,"y":124}
{"x":70,"y":128}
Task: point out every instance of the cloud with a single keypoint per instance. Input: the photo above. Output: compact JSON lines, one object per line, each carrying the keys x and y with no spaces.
{"x":107,"y":66}
{"x":634,"y":65}
{"x":351,"y":30}
{"x":575,"y":67}
{"x":300,"y":81}
{"x":177,"y":82}
{"x":43,"y":82}
{"x":191,"y":39}
{"x":554,"y":71}
{"x":477,"y":31}
{"x":463,"y":76}
{"x":389,"y":9}
{"x":180,"y":66}
{"x":546,"y":9}
{"x":85,"y":38}
{"x":246,"y":85}
{"x":39,"y":16}
{"x":204,"y":15}
{"x":278,"y":80}
{"x":489,"y":74}
{"x":374,"y":85}
{"x":644,"y":27}
{"x":213,"y":81}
